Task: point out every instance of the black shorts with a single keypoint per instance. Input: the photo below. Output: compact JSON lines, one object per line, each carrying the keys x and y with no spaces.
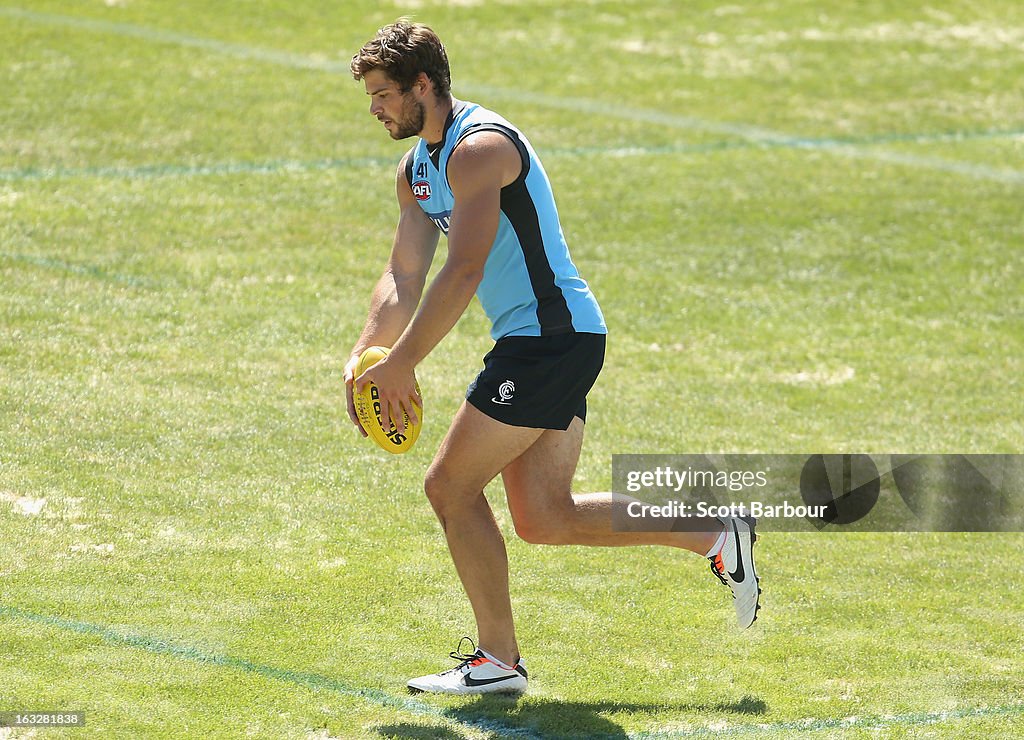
{"x":539,"y":382}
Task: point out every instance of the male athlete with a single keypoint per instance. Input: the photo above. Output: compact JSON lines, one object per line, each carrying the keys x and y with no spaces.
{"x":475,"y":177}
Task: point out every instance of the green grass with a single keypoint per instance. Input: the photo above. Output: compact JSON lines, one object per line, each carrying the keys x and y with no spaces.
{"x":194,"y":205}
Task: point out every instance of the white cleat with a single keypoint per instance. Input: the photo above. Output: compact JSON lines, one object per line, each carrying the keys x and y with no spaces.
{"x":475,"y":674}
{"x":734,"y":566}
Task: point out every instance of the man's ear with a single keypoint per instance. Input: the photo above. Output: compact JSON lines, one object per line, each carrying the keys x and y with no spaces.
{"x":423,"y":85}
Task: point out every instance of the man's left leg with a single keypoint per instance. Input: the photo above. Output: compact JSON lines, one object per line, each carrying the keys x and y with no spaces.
{"x":472,"y":454}
{"x":545,"y":511}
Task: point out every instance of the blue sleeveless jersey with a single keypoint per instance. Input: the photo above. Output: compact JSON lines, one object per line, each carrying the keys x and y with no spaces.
{"x":530,"y":285}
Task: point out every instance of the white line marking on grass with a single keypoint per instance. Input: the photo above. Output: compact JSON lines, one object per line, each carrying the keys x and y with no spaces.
{"x":147,"y":33}
{"x":581,"y":105}
{"x":629,"y":113}
{"x":309,"y":680}
{"x":968,"y":169}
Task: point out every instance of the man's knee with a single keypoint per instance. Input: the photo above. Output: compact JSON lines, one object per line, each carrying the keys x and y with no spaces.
{"x":541,"y":529}
{"x":436,"y":485}
{"x":443,"y":489}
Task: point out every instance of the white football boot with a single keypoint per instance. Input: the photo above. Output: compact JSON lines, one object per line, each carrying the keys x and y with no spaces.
{"x":475,"y":674}
{"x":734,"y":566}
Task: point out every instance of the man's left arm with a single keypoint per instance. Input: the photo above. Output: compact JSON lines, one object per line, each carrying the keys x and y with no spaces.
{"x":478,"y":169}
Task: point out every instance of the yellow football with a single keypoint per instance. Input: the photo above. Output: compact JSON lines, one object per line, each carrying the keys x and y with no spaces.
{"x":368,"y":409}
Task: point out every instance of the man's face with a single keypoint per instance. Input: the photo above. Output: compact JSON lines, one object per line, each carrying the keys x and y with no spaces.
{"x":402,"y":114}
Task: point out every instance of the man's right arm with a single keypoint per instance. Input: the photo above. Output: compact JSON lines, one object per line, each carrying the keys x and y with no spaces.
{"x":398,"y":291}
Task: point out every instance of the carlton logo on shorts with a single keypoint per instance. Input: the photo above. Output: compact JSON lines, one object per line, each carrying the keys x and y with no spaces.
{"x":505,"y":391}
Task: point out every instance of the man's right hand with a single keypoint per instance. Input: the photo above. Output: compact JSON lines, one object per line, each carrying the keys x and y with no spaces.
{"x":350,"y":370}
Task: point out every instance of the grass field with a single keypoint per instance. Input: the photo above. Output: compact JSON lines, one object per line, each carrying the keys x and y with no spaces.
{"x":805,"y":224}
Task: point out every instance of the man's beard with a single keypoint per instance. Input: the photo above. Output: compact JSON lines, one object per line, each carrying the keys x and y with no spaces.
{"x":414,"y":117}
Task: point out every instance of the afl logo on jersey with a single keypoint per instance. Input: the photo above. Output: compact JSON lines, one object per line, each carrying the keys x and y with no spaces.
{"x":421,"y":189}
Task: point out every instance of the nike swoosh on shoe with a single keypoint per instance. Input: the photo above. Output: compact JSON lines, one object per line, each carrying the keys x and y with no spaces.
{"x":737,"y":575}
{"x":470,"y":681}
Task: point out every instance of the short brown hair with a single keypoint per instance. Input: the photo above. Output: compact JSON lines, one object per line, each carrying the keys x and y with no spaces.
{"x":403,"y":50}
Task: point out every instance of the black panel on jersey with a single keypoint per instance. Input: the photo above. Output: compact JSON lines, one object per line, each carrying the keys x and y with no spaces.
{"x":552,"y":310}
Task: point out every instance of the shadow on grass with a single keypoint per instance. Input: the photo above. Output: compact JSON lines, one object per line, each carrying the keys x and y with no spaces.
{"x":550,"y":718}
{"x":416,"y":732}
